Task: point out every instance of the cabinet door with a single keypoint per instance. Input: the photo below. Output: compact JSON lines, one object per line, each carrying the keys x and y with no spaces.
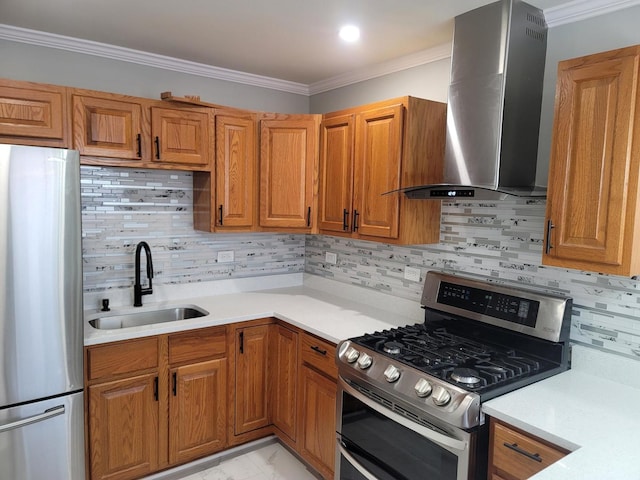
{"x":284,"y":367}
{"x":593,"y":176}
{"x":197,"y":410}
{"x":336,"y":170}
{"x":123,"y":428}
{"x":318,"y":417}
{"x":180,"y":136}
{"x":32,"y":112}
{"x":377,"y":166}
{"x":235,"y":172}
{"x":109,"y":128}
{"x":251,"y":404}
{"x":287,"y":163}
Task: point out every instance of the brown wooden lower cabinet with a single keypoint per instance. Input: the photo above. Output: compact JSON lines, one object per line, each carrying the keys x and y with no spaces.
{"x":123,"y":428}
{"x":283,"y":379}
{"x":318,"y":421}
{"x":160,"y":401}
{"x":197,"y":410}
{"x":517,"y":455}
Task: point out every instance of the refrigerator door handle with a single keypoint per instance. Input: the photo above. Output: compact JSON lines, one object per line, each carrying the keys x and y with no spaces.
{"x":48,"y":413}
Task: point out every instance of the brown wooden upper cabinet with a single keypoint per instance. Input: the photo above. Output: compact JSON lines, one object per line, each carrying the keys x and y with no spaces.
{"x":139,"y":132}
{"x":374,"y":149}
{"x":592,"y":215}
{"x":236,"y":172}
{"x":33,"y":114}
{"x":288,"y":172}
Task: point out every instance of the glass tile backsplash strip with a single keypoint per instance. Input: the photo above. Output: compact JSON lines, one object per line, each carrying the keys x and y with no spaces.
{"x":122,"y":206}
{"x":499,"y":241}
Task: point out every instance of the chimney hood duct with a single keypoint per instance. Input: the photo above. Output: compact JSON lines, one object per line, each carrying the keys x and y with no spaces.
{"x":493,"y":111}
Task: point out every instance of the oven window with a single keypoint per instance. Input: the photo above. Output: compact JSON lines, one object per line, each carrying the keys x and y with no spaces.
{"x":388,"y":450}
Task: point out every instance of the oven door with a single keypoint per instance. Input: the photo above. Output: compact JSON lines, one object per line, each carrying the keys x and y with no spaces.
{"x":376,"y":443}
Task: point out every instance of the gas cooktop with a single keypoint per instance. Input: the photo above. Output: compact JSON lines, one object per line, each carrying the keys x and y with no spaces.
{"x":478,"y":340}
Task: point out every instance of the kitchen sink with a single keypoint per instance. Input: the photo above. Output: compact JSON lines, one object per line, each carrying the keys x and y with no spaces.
{"x":149,"y":317}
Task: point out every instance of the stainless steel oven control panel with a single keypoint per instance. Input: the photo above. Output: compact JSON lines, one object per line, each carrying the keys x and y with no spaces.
{"x":424,"y":392}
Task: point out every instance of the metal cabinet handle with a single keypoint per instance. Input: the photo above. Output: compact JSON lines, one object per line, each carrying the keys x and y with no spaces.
{"x":155,"y":389}
{"x":516,"y":448}
{"x":319,"y":350}
{"x":23,"y":422}
{"x":175,"y":383}
{"x":220,"y":212}
{"x":157,"y":142}
{"x":309,"y":217}
{"x":548,"y":246}
{"x":241,"y":342}
{"x":345,"y":220}
{"x":139,"y":145}
{"x":355,"y":220}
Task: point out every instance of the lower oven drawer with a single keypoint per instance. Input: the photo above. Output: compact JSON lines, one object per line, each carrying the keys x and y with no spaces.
{"x":376,"y":443}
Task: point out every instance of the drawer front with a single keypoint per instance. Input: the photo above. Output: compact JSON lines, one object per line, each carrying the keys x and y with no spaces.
{"x":320,"y":354}
{"x":197,"y":345}
{"x":520,"y":455}
{"x":122,"y":357}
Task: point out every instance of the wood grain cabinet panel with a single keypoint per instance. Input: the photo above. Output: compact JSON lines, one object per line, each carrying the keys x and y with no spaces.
{"x":374,"y":149}
{"x":197,"y":410}
{"x":33,"y":114}
{"x":336,"y":175}
{"x":236,"y":173}
{"x":515,"y":455}
{"x":180,"y":136}
{"x":123,"y":428}
{"x":107,"y":127}
{"x":318,"y":420}
{"x":592,"y":206}
{"x":288,"y":172}
{"x":251,"y":394}
{"x":283,"y":363}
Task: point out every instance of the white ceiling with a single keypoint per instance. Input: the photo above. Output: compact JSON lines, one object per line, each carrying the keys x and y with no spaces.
{"x":293,"y":40}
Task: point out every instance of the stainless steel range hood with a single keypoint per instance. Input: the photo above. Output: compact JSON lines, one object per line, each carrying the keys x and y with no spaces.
{"x":493,"y":116}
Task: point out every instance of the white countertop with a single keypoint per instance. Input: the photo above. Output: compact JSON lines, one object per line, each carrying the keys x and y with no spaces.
{"x":592,"y":410}
{"x":323,"y":307}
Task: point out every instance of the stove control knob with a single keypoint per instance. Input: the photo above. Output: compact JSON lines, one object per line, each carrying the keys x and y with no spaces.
{"x":351,"y":354}
{"x":365,"y":361}
{"x":391,"y":374}
{"x":440,"y":396}
{"x":422,"y":388}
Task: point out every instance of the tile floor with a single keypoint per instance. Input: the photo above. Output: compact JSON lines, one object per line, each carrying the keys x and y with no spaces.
{"x":271,"y":462}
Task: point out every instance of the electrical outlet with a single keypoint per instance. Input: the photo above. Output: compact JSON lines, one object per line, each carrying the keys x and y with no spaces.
{"x":331,"y":258}
{"x":225,"y":256}
{"x":412,"y":274}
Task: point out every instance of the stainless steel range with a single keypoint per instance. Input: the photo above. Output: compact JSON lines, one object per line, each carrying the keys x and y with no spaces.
{"x":409,"y":398}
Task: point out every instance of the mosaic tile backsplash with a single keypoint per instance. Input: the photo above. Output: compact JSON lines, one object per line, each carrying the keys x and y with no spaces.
{"x":499,"y":241}
{"x":121,"y":207}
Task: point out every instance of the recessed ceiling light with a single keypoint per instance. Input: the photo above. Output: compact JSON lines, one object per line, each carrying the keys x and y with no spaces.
{"x":350,"y":33}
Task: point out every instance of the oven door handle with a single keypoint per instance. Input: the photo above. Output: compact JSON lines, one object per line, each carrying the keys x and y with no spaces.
{"x":439,"y":438}
{"x":351,"y":459}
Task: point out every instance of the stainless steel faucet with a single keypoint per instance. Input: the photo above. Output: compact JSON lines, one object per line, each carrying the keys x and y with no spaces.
{"x":138,"y":291}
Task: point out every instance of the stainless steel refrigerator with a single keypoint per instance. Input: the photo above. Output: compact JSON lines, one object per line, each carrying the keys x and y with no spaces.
{"x":41,"y":381}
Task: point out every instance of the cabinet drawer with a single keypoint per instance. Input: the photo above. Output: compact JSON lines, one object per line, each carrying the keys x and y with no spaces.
{"x":122,"y":357}
{"x":197,"y":345}
{"x":519,"y":455}
{"x":320,"y":354}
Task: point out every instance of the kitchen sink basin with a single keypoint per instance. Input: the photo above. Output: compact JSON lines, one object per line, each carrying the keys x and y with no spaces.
{"x":149,"y":317}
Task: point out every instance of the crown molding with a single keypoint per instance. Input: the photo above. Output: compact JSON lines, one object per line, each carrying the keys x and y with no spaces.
{"x":567,"y":13}
{"x":582,"y":9}
{"x":113,"y":52}
{"x":423,"y":57}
